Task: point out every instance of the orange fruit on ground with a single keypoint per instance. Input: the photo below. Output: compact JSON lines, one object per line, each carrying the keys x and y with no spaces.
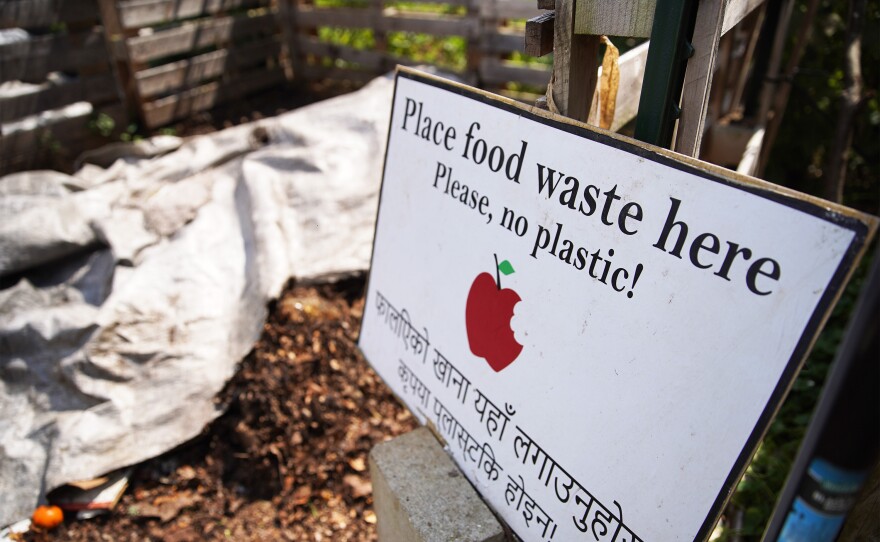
{"x":47,"y":517}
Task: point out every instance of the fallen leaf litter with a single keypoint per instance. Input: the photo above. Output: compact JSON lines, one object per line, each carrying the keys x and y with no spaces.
{"x":288,"y":458}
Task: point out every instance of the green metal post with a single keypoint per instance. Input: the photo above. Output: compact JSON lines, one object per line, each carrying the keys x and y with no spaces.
{"x":668,"y":52}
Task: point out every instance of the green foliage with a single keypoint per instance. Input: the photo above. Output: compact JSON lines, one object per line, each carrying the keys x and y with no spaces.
{"x":131,"y":134}
{"x":797,"y":161}
{"x":806,"y":133}
{"x":449,"y":52}
{"x":103,"y":124}
{"x":357,"y":38}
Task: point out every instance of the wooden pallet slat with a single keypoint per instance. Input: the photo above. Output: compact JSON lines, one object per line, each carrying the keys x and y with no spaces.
{"x":539,"y":34}
{"x":166,"y":110}
{"x":462,"y":3}
{"x":390,"y":20}
{"x":33,"y":59}
{"x":698,"y":77}
{"x":193,"y":37}
{"x":494,"y":71}
{"x":631,"y":18}
{"x":502,"y":42}
{"x":45,"y":13}
{"x":437,"y":25}
{"x":67,"y":134}
{"x":192,"y":71}
{"x":351,"y":74}
{"x":17,"y":149}
{"x":141,"y":13}
{"x":509,"y":9}
{"x":95,"y":89}
{"x":737,"y":10}
{"x":365,"y":58}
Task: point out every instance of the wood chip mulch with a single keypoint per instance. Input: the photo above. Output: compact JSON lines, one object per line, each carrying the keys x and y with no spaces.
{"x":288,"y":459}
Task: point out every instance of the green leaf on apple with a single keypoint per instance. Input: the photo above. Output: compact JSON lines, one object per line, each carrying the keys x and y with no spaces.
{"x":505,"y":267}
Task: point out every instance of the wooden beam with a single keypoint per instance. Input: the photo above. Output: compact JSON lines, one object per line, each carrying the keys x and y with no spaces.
{"x":192,"y":71}
{"x":367,"y":59}
{"x":33,"y":59}
{"x":98,"y":89}
{"x":140,"y":13}
{"x":192,"y":37}
{"x":698,"y":77}
{"x":114,"y":36}
{"x":438,"y":25}
{"x":391,"y":20}
{"x":494,"y":71}
{"x":181,"y":105}
{"x":575,"y":65}
{"x":546,"y":4}
{"x":350,"y":75}
{"x":737,"y":10}
{"x":506,"y":9}
{"x":502,"y":42}
{"x":539,"y":34}
{"x":631,"y":18}
{"x":45,"y":13}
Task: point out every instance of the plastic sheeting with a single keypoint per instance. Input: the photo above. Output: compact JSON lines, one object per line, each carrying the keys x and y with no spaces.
{"x":129,"y":294}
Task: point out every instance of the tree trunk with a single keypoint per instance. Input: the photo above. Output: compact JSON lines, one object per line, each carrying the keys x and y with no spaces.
{"x":850,"y":102}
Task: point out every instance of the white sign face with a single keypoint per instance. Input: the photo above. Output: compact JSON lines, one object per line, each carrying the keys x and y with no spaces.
{"x":600,"y":332}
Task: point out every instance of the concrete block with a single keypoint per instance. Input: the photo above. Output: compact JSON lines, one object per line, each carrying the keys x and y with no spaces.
{"x":420,"y":495}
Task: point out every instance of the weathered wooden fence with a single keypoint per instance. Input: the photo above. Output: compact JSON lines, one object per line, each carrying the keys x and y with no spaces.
{"x":56,"y":76}
{"x":152,"y":62}
{"x":487,"y":28}
{"x":178,"y":57}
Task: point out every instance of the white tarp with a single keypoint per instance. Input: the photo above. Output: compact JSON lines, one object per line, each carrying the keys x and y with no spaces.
{"x":129,"y":294}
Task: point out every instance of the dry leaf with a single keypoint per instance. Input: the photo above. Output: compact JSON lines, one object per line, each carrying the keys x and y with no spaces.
{"x":359,"y":486}
{"x":302,"y":495}
{"x":609,"y":84}
{"x":358,"y":464}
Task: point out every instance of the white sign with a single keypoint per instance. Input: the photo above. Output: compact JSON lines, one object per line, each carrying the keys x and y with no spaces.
{"x":600,"y":332}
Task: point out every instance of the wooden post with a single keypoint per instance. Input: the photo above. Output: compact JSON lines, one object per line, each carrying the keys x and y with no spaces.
{"x":115,"y":35}
{"x":287,"y":21}
{"x":698,"y":77}
{"x":380,"y":39}
{"x":575,"y":65}
{"x":476,"y":45}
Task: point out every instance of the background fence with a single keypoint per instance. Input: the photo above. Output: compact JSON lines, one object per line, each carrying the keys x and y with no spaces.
{"x":68,"y":65}
{"x":55,"y":75}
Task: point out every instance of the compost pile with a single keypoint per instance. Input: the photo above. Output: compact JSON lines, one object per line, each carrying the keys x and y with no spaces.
{"x":288,"y":459}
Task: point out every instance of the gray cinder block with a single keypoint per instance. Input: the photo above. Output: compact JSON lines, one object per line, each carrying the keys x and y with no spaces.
{"x":420,"y":495}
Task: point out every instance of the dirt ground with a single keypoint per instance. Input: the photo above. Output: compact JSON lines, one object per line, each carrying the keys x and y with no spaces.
{"x":288,"y":459}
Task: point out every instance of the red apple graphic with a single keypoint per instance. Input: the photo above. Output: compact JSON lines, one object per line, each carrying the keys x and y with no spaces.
{"x":487,"y":318}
